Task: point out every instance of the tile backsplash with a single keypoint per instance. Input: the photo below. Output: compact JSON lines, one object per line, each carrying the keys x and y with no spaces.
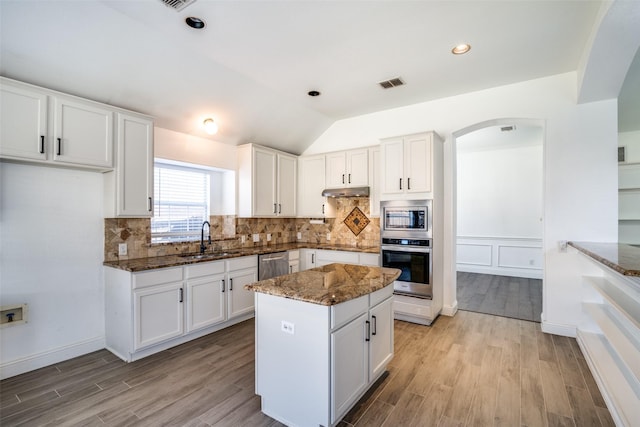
{"x":227,"y":231}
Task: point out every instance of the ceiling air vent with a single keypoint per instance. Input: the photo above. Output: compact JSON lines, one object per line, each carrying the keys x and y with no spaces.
{"x":388,"y":84}
{"x":178,"y":5}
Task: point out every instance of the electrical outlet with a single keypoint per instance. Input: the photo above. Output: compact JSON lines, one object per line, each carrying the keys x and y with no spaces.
{"x":256,"y":238}
{"x":299,"y":236}
{"x":243,"y":239}
{"x":288,"y":327}
{"x":268,"y":237}
{"x":122,"y":249}
{"x":328,"y":237}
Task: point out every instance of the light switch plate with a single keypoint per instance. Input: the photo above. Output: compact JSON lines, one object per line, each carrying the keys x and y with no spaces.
{"x":299,"y":235}
{"x":268,"y":237}
{"x":122,"y":249}
{"x":328,"y":237}
{"x":256,"y":238}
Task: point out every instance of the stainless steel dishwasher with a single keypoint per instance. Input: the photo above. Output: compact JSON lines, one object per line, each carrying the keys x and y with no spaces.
{"x":272,"y":265}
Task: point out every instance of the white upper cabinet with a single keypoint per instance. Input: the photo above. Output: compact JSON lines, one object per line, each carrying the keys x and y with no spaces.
{"x":129,"y":187}
{"x":347,"y":169}
{"x":38,"y":125}
{"x":287,"y":179}
{"x":267,"y":182}
{"x":311,"y":177}
{"x":83,"y":133}
{"x":407,"y":165}
{"x":23,"y":123}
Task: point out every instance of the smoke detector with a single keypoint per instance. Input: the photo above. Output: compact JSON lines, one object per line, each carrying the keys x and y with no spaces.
{"x":178,"y":5}
{"x":388,"y":84}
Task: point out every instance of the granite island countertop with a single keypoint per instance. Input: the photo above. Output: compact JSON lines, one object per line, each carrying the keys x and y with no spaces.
{"x":328,"y":285}
{"x":625,"y":259}
{"x":142,"y":264}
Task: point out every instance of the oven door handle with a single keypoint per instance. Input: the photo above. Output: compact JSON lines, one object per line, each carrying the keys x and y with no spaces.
{"x":417,"y":249}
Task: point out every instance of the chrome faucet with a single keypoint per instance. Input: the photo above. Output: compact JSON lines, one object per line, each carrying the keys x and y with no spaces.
{"x":202,"y":246}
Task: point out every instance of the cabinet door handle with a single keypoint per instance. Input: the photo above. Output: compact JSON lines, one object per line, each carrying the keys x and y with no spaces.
{"x":274,"y":208}
{"x":279,"y":208}
{"x":41,"y":144}
{"x":181,"y":295}
{"x":230,"y":284}
{"x":401,"y":183}
{"x":313,"y":258}
{"x":59,"y":148}
{"x":349,"y":178}
{"x":343,"y":178}
{"x":408,"y":183}
{"x":291,"y":269}
{"x":323,"y":209}
{"x":222,"y":285}
{"x":368,"y":336}
{"x":375,"y":325}
{"x":150,"y":204}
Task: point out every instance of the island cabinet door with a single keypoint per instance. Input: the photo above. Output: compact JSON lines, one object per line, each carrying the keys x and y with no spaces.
{"x":241,"y":301}
{"x":349,"y":367}
{"x":381,"y":344}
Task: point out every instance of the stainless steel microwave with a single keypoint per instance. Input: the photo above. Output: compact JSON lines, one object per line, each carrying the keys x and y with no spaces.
{"x":406,"y":218}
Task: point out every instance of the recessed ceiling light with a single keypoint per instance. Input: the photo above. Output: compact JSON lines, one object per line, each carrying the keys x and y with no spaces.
{"x":194,"y":22}
{"x":313,"y":93}
{"x":461,"y":48}
{"x":210,"y":126}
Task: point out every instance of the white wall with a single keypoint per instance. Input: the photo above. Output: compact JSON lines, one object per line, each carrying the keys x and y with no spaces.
{"x":51,"y":252}
{"x":580,"y":169}
{"x":499,"y":226}
{"x":192,"y":149}
{"x":500,"y":192}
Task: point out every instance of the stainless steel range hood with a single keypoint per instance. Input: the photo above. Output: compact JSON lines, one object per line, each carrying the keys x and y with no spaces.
{"x":346,"y":192}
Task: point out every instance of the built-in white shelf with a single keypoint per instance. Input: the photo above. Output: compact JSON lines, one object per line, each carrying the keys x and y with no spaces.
{"x":609,"y":337}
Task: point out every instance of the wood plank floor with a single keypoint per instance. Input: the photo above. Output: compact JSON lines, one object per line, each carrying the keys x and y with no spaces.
{"x":505,"y":296}
{"x":469,"y":370}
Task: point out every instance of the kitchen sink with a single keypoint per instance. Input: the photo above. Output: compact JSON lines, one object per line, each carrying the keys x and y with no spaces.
{"x":204,"y":256}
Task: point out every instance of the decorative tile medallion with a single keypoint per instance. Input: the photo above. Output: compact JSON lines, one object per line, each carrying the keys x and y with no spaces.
{"x":356,"y":221}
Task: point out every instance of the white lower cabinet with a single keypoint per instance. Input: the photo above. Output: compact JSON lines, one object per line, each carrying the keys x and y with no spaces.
{"x":150,"y":311}
{"x":158,"y":314}
{"x":241,"y":301}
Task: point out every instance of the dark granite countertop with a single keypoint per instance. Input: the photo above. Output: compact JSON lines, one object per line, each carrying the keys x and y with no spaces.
{"x":328,"y":285}
{"x":142,"y":264}
{"x":625,"y":259}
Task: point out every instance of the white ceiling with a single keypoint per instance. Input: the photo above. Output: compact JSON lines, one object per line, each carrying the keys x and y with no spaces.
{"x":253,"y":64}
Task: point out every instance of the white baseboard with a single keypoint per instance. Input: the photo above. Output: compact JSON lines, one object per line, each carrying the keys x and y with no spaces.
{"x":450,"y":310}
{"x":558,"y":329}
{"x":500,"y":271}
{"x":40,"y":360}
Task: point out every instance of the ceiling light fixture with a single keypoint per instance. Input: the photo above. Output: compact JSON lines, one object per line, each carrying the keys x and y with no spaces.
{"x":210,"y":126}
{"x":194,"y":22}
{"x":461,"y":49}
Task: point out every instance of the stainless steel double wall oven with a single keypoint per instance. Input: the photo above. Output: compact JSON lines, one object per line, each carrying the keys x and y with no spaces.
{"x":406,"y":243}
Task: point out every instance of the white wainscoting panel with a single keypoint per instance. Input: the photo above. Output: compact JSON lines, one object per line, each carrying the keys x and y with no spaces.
{"x":503,"y":256}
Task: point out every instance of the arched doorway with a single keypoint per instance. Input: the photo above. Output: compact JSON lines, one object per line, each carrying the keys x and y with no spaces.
{"x":497,"y":224}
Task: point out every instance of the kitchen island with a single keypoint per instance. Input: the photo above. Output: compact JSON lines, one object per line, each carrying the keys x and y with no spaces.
{"x":323,"y":337}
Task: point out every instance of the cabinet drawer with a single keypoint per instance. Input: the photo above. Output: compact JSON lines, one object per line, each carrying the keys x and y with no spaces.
{"x":380,"y":295}
{"x":242,"y":263}
{"x":157,"y":277}
{"x":293,"y":255}
{"x":204,"y":269}
{"x":337,"y":256}
{"x":348,"y":310}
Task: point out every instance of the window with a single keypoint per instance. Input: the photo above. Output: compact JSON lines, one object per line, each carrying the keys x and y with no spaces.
{"x":182,"y":197}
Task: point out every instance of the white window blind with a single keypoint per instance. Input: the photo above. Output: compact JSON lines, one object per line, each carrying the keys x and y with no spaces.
{"x":182,"y":198}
